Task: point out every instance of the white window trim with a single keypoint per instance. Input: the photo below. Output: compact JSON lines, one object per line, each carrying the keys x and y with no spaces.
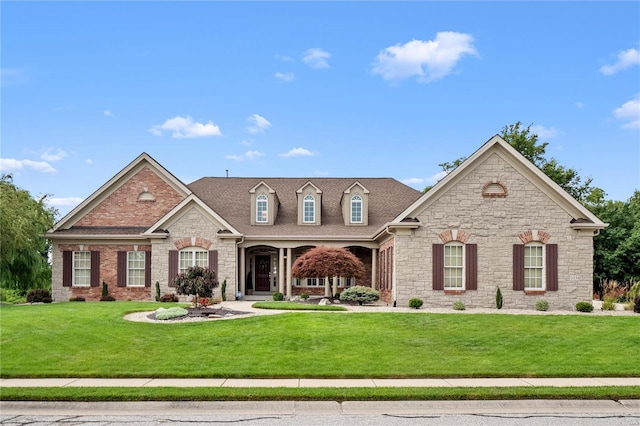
{"x":262,"y":216}
{"x":129,"y":269}
{"x":75,"y":268}
{"x":543,"y":269}
{"x":463,"y":268}
{"x":193,"y":260}
{"x":356,"y":199}
{"x":312,"y":202}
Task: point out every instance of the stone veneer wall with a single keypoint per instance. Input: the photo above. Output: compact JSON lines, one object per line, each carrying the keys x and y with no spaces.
{"x":195,"y":225}
{"x":494,"y":223}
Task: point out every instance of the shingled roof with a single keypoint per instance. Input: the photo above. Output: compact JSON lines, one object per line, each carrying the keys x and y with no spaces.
{"x":230,"y":198}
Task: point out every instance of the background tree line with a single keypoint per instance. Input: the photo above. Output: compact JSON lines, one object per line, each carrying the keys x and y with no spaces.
{"x":24,"y":252}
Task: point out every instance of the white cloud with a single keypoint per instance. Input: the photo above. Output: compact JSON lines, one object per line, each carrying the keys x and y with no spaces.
{"x":185,"y":127}
{"x":249,"y":155}
{"x":11,"y":76}
{"x":65,"y":201}
{"x":285,"y":76}
{"x":285,"y":58}
{"x":415,"y":181}
{"x":297,"y":152}
{"x":578,"y":105}
{"x":258,"y":124}
{"x":107,"y":113}
{"x":49,"y":155}
{"x":427,"y":60}
{"x":13,"y":165}
{"x":544,"y":132}
{"x":626,"y":59}
{"x":316,"y":58}
{"x":89,"y":161}
{"x":630,"y":113}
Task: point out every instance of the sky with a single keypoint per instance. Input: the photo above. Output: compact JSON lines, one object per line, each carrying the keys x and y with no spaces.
{"x":312,"y":89}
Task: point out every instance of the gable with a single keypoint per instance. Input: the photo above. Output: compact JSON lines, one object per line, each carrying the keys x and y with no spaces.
{"x":137,"y":196}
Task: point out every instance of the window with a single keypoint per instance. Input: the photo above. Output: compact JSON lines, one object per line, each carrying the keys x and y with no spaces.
{"x":136,"y":268}
{"x":309,"y":209}
{"x":533,"y":267}
{"x":454,"y":266}
{"x":356,"y":209}
{"x":82,"y":268}
{"x":192,"y":257}
{"x":261,"y":208}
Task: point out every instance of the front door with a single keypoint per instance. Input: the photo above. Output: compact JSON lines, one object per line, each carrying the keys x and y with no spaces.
{"x":263,"y":267}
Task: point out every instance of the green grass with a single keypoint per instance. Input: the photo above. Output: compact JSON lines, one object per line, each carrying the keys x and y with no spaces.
{"x":93,"y":340}
{"x":293,"y":306}
{"x":315,"y":394}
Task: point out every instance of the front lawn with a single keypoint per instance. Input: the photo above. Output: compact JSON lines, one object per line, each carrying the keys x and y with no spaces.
{"x":93,"y":340}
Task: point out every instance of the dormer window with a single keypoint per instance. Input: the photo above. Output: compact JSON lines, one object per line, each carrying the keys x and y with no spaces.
{"x":356,"y":209}
{"x":309,"y":207}
{"x":262,"y":205}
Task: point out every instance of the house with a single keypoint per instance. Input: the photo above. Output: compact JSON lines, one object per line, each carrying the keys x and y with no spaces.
{"x":494,"y":222}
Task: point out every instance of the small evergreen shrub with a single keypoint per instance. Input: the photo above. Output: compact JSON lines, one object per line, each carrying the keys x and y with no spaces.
{"x":304,"y":296}
{"x":458,"y":305}
{"x":415,"y":303}
{"x":608,"y":304}
{"x":223,"y":290}
{"x":499,"y":298}
{"x":360,"y":294}
{"x":168,"y":313}
{"x":77,"y":299}
{"x":636,"y":307}
{"x":278,"y":297}
{"x":169,"y":298}
{"x":337,"y":295}
{"x":38,"y":295}
{"x":157,"y":291}
{"x":106,"y":297}
{"x":584,"y":306}
{"x":542,"y":305}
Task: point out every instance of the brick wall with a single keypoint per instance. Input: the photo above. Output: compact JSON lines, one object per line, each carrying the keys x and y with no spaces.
{"x":127,"y":207}
{"x":495,"y":224}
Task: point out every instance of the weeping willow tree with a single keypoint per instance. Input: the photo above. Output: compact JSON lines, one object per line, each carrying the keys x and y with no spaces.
{"x":23,"y":251}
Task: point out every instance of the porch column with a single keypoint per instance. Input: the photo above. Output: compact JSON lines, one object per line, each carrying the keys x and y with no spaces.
{"x":327,"y":288}
{"x":281,"y":270}
{"x":374,"y":268}
{"x":243,"y":272}
{"x":335,"y":285}
{"x":289,"y":265}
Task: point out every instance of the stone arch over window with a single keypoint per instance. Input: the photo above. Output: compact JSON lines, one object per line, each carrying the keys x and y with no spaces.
{"x":193,"y":242}
{"x":494,"y":189}
{"x":534,"y":235}
{"x":454,"y":235}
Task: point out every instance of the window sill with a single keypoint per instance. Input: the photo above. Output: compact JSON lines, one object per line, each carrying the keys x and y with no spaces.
{"x":535,"y":292}
{"x":454,"y":292}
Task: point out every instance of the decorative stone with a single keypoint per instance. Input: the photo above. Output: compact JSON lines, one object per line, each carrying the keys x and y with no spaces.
{"x":324,"y":302}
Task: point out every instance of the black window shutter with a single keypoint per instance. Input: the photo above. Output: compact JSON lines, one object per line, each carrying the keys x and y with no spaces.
{"x":438,"y":266}
{"x":173,"y":266}
{"x":471,"y":266}
{"x":518,"y":267}
{"x":213,"y":261}
{"x":67,"y":268}
{"x":95,"y":269}
{"x":122,"y":269}
{"x":552,"y":267}
{"x":147,"y":269}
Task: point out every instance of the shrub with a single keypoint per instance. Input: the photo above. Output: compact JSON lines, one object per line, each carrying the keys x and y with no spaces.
{"x":169,"y":298}
{"x":105,"y":289}
{"x":636,"y":307}
{"x":304,"y":296}
{"x":108,"y":298}
{"x":165,"y":314}
{"x":77,"y":299}
{"x":197,"y":281}
{"x":203,"y":302}
{"x":415,"y":303}
{"x":608,"y":304}
{"x":337,"y":295}
{"x":542,"y":305}
{"x":458,"y":305}
{"x":278,"y":297}
{"x":223,"y":290}
{"x":360,"y":294}
{"x":38,"y":295}
{"x":157,"y":291}
{"x":584,"y":306}
{"x":8,"y":295}
{"x":498,"y":298}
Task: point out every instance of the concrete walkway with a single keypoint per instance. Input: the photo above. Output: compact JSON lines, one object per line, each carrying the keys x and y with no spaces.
{"x":320,"y":383}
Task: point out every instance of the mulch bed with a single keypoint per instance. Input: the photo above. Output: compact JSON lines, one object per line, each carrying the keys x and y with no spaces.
{"x":204,"y":313}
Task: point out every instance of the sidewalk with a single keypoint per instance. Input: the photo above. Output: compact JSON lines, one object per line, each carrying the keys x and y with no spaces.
{"x":320,"y":383}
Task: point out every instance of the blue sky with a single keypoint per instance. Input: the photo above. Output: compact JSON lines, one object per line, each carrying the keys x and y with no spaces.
{"x":289,"y":89}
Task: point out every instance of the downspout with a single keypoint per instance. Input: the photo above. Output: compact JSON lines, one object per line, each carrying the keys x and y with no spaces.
{"x":238,"y":277}
{"x":393,"y":272}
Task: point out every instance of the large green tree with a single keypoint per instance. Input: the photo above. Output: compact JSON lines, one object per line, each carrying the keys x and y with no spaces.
{"x":23,"y":251}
